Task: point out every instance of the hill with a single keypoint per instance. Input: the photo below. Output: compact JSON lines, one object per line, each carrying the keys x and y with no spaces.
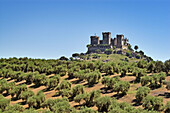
{"x":87,"y":83}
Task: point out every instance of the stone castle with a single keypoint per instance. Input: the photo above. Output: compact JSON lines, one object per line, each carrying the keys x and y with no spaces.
{"x":119,"y":42}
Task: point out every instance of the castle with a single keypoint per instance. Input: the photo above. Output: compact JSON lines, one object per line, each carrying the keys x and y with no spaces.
{"x":107,"y":43}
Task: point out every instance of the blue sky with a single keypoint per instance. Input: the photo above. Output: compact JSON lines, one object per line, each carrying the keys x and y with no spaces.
{"x":53,"y":28}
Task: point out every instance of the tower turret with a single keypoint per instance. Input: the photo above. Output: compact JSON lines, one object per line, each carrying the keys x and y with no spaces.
{"x":106,"y":37}
{"x":120,"y":39}
{"x":94,"y":40}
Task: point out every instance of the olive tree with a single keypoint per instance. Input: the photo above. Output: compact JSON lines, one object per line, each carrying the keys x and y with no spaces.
{"x":154,"y":103}
{"x":91,"y":97}
{"x":104,"y":103}
{"x":3,"y":102}
{"x":76,"y":90}
{"x":93,"y":77}
{"x":167,"y":107}
{"x":53,"y":82}
{"x":167,"y":66}
{"x":122,"y":86}
{"x":141,"y":93}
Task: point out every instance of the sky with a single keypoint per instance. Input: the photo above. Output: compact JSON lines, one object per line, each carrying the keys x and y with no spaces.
{"x":53,"y":28}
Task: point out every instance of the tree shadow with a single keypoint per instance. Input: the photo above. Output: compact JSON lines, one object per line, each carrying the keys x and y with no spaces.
{"x":105,"y":90}
{"x":79,"y":106}
{"x":77,"y":81}
{"x":56,"y":94}
{"x":14,"y":99}
{"x":5,"y":94}
{"x":35,"y":86}
{"x":22,"y":103}
{"x":47,"y":89}
{"x":166,"y":95}
{"x":136,"y":103}
{"x":118,"y":96}
{"x":105,"y":75}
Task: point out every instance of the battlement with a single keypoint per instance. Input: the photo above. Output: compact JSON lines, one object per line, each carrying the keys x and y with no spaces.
{"x":106,"y":32}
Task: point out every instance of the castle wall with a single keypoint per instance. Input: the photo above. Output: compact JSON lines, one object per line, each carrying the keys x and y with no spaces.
{"x":93,"y":49}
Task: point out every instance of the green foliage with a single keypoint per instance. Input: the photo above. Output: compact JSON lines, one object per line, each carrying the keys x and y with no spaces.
{"x":87,"y":110}
{"x":36,"y":101}
{"x":151,"y":67}
{"x":79,"y":98}
{"x":128,"y":53}
{"x":26,"y":94}
{"x":3,"y":102}
{"x":168,"y":86}
{"x":53,"y":82}
{"x":58,"y":105}
{"x":154,"y":81}
{"x":153,"y":103}
{"x":142,"y":64}
{"x":122,"y":86}
{"x":110,"y":82}
{"x":141,"y":93}
{"x":108,"y":51}
{"x":159,"y":66}
{"x":167,"y":107}
{"x":15,"y":107}
{"x":40,"y":80}
{"x":5,"y":86}
{"x":76,"y":90}
{"x":138,"y":56}
{"x":32,"y":102}
{"x":146,"y":80}
{"x":124,"y":70}
{"x":108,"y":69}
{"x":167,"y":66}
{"x":91,"y":97}
{"x":104,"y":103}
{"x":64,"y":88}
{"x":18,"y":90}
{"x":80,"y":75}
{"x":93,"y":77}
{"x":139,"y":73}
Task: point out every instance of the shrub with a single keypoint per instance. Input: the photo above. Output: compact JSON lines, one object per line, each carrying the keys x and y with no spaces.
{"x":167,"y":66}
{"x":26,"y":94}
{"x":104,"y":103}
{"x":15,"y":107}
{"x":110,"y":82}
{"x":3,"y":102}
{"x":76,"y":90}
{"x":93,"y":77}
{"x":167,"y":107}
{"x":154,"y":103}
{"x":141,"y":93}
{"x":53,"y":82}
{"x":122,"y":86}
{"x":91,"y":97}
{"x":168,"y":86}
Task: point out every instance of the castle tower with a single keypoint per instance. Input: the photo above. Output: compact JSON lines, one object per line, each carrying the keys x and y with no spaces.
{"x":106,"y":37}
{"x":94,"y":40}
{"x":120,"y":41}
